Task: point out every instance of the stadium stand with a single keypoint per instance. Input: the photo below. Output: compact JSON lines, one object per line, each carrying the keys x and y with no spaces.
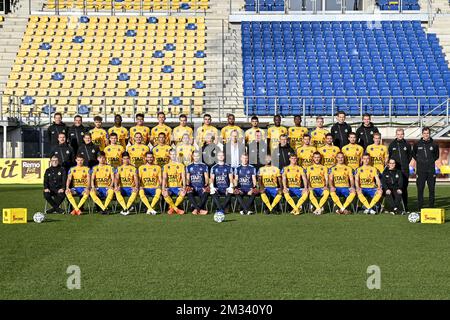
{"x":124,"y":5}
{"x":109,"y":65}
{"x":394,"y":5}
{"x":343,"y":65}
{"x":264,"y":5}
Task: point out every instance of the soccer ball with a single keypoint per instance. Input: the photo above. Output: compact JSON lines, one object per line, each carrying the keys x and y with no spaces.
{"x":413,"y":217}
{"x":219,"y":217}
{"x":38,"y":217}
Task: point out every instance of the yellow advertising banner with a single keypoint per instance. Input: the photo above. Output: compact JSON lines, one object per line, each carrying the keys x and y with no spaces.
{"x":22,"y":171}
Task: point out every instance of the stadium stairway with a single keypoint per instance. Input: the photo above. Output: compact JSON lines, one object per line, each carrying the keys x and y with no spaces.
{"x":441,"y":27}
{"x":10,"y":40}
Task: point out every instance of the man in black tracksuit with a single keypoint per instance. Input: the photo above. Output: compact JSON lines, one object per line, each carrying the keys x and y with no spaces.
{"x":89,"y":151}
{"x":280,"y":155}
{"x":365,"y":132}
{"x":401,"y":152}
{"x":55,"y":178}
{"x":392,"y":182}
{"x":63,"y":152}
{"x":340,"y":130}
{"x":76,"y":133}
{"x":425,"y":152}
{"x":55,"y":129}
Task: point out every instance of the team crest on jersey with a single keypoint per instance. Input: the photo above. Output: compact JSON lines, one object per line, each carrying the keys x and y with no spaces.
{"x":154,"y":170}
{"x":371,"y":149}
{"x":145,"y":169}
{"x":324,"y":150}
{"x":361,"y":170}
{"x":97,"y":170}
{"x":347,"y":149}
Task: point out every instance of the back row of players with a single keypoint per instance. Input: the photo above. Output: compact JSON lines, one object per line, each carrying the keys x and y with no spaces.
{"x":162,"y":161}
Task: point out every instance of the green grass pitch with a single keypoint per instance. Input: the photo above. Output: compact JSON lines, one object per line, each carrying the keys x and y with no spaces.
{"x":246,"y":257}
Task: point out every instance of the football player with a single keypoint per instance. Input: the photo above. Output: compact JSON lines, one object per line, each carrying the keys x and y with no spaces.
{"x":274,"y":132}
{"x":150,"y":179}
{"x":294,"y":184}
{"x":296,"y":133}
{"x":185,"y":150}
{"x":78,"y":184}
{"x":368,"y":184}
{"x":318,"y":134}
{"x":206,"y":129}
{"x":317,"y":176}
{"x":121,"y":132}
{"x":342,"y":184}
{"x":197,"y":177}
{"x":226,"y":131}
{"x":161,"y":151}
{"x":127,"y":184}
{"x":161,"y":127}
{"x":114,"y":151}
{"x":353,"y":152}
{"x":270,"y":184}
{"x":305,"y":152}
{"x":250,"y":134}
{"x":98,"y":134}
{"x":179,"y":131}
{"x":245,"y":182}
{"x":221,"y":183}
{"x":328,"y":152}
{"x":102,"y":183}
{"x":174,"y":183}
{"x":139,"y":127}
{"x":378,"y":153}
{"x":138,"y":150}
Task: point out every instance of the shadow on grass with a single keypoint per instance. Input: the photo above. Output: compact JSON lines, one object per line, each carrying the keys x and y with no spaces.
{"x":230,"y":220}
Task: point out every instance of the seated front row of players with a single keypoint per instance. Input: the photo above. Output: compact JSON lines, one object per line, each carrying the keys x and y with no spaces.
{"x":317,"y":183}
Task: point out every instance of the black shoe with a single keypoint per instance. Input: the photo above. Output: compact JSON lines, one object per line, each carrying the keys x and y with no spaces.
{"x":51,"y":210}
{"x":61,"y":211}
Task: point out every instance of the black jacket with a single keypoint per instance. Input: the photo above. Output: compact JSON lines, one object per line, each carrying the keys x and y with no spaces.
{"x":257,"y":152}
{"x":65,"y":154}
{"x":280,"y":156}
{"x":340,"y":134}
{"x":53,"y":131}
{"x":401,"y":152}
{"x":76,"y":136}
{"x":55,"y":178}
{"x":392,"y":179}
{"x":365,"y":135}
{"x":425,"y":153}
{"x":89,"y":152}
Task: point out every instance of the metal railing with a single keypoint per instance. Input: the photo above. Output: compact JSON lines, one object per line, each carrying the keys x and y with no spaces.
{"x":113,"y":8}
{"x":415,"y":109}
{"x":317,"y":6}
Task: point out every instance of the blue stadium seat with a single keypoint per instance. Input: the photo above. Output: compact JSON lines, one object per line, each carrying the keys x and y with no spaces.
{"x":344,"y":65}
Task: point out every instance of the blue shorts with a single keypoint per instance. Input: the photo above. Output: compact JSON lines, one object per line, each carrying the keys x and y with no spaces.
{"x":222,"y":192}
{"x":296,"y":192}
{"x":197,"y":191}
{"x":102,"y":192}
{"x":78,"y":191}
{"x":126,"y":191}
{"x":271,"y":191}
{"x":245,"y":190}
{"x":150,"y":192}
{"x":369,"y":192}
{"x":318,"y":192}
{"x":343,"y":192}
{"x":173,"y":191}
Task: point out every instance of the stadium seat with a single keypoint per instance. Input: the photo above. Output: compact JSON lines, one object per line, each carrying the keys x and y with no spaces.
{"x":109,"y":57}
{"x":341,"y":65}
